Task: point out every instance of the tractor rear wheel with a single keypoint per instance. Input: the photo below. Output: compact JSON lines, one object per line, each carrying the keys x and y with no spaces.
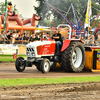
{"x":19,"y":64}
{"x":45,"y":66}
{"x":73,"y":58}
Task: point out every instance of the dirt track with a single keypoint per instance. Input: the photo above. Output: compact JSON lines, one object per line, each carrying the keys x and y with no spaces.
{"x":7,"y":70}
{"x":85,"y":91}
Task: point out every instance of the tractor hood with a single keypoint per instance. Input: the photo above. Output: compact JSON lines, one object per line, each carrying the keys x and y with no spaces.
{"x":40,"y":48}
{"x":38,"y":43}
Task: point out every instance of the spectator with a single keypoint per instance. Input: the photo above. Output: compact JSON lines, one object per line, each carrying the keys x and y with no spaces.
{"x":47,"y":36}
{"x":79,"y":37}
{"x":32,"y":33}
{"x":3,"y":35}
{"x":1,"y":38}
{"x":14,"y":31}
{"x":96,"y":43}
{"x":32,"y":38}
{"x":19,"y":39}
{"x":74,"y":37}
{"x":37,"y":38}
{"x":82,"y":40}
{"x":17,"y":35}
{"x":86,"y":41}
{"x":27,"y":38}
{"x":91,"y":40}
{"x":8,"y":37}
{"x":14,"y":36}
{"x":24,"y":35}
{"x":44,"y":35}
{"x":98,"y":40}
{"x":95,"y":33}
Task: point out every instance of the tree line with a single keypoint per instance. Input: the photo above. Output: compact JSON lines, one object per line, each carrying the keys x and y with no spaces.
{"x":63,"y":6}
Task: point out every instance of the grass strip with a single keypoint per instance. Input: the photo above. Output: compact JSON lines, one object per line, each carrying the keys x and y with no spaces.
{"x":9,"y":58}
{"x":42,"y":81}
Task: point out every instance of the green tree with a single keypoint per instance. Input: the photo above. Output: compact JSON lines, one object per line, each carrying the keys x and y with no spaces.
{"x":2,"y":7}
{"x":15,"y":9}
{"x":63,"y":6}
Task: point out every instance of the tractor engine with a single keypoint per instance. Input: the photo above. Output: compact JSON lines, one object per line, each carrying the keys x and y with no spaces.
{"x":39,"y":49}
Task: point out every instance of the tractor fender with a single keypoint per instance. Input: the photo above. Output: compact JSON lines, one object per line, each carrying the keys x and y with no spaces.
{"x":67,"y":43}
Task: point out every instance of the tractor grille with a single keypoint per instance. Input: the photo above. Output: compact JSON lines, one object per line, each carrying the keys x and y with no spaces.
{"x":30,"y":52}
{"x":30,"y":49}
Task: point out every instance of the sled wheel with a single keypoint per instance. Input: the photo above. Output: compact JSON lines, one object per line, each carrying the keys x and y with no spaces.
{"x":73,"y":58}
{"x":19,"y":64}
{"x":45,"y":66}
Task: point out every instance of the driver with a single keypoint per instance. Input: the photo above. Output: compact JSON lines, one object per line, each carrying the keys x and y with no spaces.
{"x":58,"y":38}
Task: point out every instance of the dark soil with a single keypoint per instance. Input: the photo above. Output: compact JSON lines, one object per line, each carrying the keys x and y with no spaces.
{"x":83,"y":91}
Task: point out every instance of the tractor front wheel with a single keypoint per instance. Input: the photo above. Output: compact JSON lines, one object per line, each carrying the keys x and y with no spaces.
{"x":45,"y":66}
{"x":20,"y":64}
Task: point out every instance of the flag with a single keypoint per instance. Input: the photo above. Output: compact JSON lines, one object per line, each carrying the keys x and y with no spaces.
{"x":5,"y":14}
{"x":88,"y":14}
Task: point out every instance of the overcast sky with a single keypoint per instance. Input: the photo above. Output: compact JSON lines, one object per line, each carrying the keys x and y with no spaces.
{"x":25,"y":7}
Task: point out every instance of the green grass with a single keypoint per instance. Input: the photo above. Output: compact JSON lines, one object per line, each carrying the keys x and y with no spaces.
{"x":9,"y":58}
{"x":39,"y":81}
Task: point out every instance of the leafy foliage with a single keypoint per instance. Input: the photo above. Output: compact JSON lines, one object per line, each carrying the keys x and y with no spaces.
{"x":95,"y":23}
{"x":63,"y":6}
{"x":2,"y":8}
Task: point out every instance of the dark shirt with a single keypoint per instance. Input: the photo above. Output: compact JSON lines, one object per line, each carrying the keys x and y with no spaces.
{"x":24,"y":37}
{"x":60,"y":37}
{"x":36,"y":38}
{"x":9,"y":37}
{"x":32,"y":39}
{"x":21,"y":38}
{"x":27,"y":38}
{"x":18,"y":38}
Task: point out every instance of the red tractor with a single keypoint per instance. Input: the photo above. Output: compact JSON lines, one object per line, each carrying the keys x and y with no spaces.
{"x":42,"y":55}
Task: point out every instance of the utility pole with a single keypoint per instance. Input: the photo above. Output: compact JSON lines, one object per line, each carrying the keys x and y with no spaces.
{"x":5,"y":19}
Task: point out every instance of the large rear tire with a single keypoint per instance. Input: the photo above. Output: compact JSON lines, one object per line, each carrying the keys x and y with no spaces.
{"x":45,"y":66}
{"x":73,"y":58}
{"x":19,"y":64}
